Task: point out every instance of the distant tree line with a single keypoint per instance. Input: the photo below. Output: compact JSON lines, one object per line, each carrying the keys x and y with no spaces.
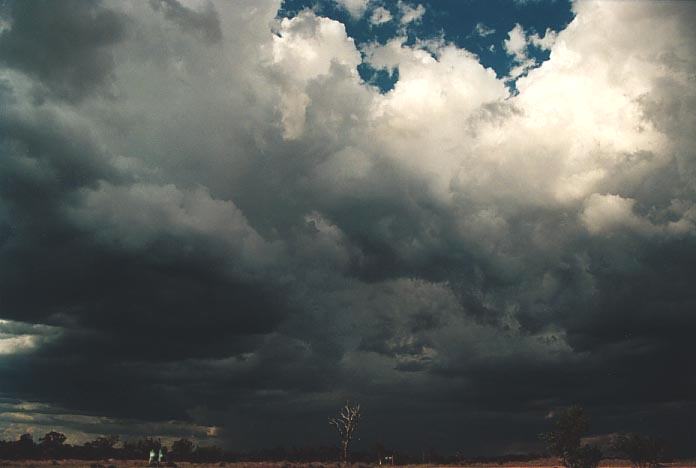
{"x":565,"y":441}
{"x":53,"y":446}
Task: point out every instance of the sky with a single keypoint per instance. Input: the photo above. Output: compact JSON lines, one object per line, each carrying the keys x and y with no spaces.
{"x":220,"y":220}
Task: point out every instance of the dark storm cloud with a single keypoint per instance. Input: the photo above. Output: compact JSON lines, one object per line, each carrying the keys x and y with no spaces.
{"x":65,"y":46}
{"x":206,"y":22}
{"x":246,"y":234}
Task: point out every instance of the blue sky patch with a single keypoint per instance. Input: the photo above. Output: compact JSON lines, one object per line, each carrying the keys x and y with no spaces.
{"x":479,"y":26}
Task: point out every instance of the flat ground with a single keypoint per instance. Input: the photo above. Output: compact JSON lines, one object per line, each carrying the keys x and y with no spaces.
{"x":547,"y":463}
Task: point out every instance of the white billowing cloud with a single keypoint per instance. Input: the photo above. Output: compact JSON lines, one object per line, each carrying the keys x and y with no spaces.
{"x":483,"y":30}
{"x":517,"y":44}
{"x":305,"y":48}
{"x":574,"y":129}
{"x":380,"y":15}
{"x":546,"y":41}
{"x":589,"y":97}
{"x":606,"y":213}
{"x":444,"y":91}
{"x":409,"y":13}
{"x":356,"y":8}
{"x":307,"y":44}
{"x":293,"y":107}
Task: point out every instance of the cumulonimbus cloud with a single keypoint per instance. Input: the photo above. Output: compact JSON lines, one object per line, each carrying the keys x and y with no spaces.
{"x":221,"y":183}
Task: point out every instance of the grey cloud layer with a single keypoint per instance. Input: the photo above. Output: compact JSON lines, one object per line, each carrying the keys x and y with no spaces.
{"x":215,"y":221}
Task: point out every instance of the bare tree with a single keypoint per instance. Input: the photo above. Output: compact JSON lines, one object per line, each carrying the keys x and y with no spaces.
{"x":346,"y":424}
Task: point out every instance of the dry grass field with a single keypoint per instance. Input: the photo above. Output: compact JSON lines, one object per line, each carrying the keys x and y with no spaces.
{"x":544,"y":463}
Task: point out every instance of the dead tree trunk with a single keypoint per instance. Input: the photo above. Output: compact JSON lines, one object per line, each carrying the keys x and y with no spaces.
{"x":346,"y":423}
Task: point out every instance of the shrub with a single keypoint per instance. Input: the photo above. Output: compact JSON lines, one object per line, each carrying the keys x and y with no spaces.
{"x":642,"y":451}
{"x":565,"y":441}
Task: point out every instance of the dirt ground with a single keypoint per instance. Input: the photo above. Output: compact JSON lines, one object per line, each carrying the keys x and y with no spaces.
{"x":138,"y":463}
